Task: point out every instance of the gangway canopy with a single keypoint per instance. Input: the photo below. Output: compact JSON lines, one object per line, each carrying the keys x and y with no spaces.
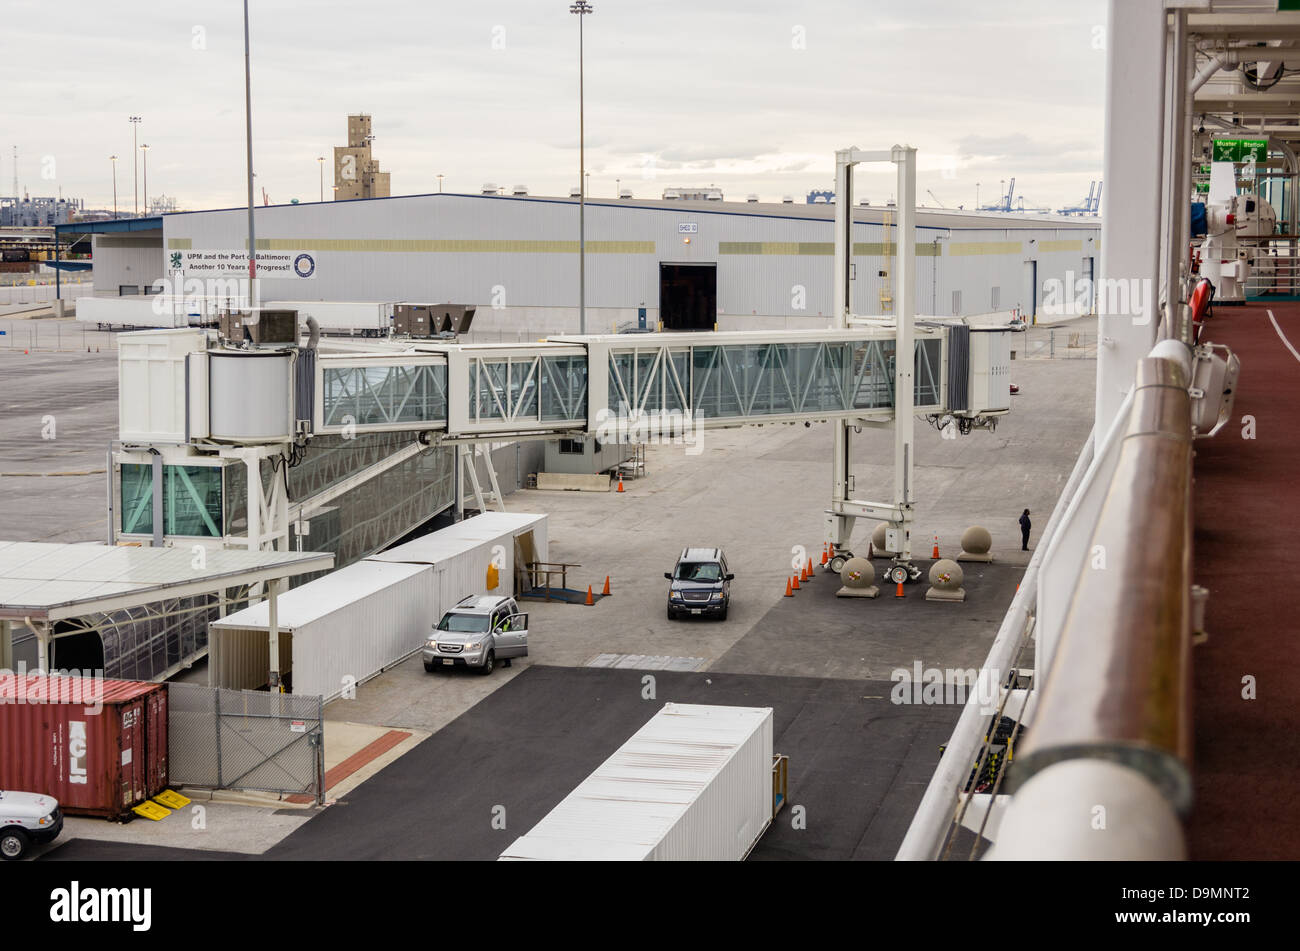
{"x":42,"y":581}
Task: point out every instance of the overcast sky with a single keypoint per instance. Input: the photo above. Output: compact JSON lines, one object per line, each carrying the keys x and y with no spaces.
{"x":753,"y":96}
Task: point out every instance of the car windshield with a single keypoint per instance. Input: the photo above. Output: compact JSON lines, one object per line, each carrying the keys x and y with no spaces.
{"x":463,"y":623}
{"x":699,"y":571}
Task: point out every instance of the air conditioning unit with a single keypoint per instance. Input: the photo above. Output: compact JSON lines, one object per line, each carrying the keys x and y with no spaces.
{"x":259,"y":327}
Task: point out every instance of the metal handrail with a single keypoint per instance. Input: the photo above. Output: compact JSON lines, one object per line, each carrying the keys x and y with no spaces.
{"x":935,"y":815}
{"x":1119,"y":684}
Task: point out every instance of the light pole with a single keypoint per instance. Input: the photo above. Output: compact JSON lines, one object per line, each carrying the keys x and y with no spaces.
{"x":581,"y":8}
{"x":248,"y":141}
{"x":977,"y":196}
{"x":113,"y":159}
{"x":144,"y":151}
{"x":135,"y":160}
{"x":320,"y":160}
{"x":440,"y":184}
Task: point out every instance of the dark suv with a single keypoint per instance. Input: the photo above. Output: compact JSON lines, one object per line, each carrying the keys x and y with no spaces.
{"x":701,"y":584}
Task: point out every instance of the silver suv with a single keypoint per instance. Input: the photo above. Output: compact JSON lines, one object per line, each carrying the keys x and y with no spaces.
{"x":26,"y":818}
{"x":478,"y":632}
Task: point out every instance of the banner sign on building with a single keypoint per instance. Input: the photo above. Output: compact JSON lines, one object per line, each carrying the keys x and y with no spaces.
{"x":210,"y":263}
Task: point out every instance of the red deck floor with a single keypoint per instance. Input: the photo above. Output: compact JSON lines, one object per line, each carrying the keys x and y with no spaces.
{"x":1247,"y":766}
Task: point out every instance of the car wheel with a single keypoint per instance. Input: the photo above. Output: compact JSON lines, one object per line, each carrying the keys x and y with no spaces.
{"x":429,"y":668}
{"x":488,"y":663}
{"x":723,"y":615}
{"x":13,"y":843}
{"x":672,"y":615}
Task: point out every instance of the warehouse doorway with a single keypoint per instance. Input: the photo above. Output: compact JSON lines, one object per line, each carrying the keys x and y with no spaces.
{"x":688,"y":296}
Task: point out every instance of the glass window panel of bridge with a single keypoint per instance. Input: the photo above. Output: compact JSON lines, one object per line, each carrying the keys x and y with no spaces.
{"x":137,"y":499}
{"x":929,"y":359}
{"x":192,"y":500}
{"x":622,"y":389}
{"x":375,"y":396}
{"x":523,"y":388}
{"x":714,"y":393}
{"x":871,"y":374}
{"x":564,"y":388}
{"x":488,"y":390}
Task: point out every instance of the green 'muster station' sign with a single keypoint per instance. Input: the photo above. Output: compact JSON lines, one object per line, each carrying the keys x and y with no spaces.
{"x":1239,"y":150}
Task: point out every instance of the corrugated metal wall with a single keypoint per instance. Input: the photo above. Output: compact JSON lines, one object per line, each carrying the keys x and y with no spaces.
{"x":507,"y":254}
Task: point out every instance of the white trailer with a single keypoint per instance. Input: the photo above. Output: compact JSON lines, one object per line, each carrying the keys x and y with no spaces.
{"x":148,"y":311}
{"x":358,"y":621}
{"x":461,"y":553}
{"x":694,"y":783}
{"x":335,"y":631}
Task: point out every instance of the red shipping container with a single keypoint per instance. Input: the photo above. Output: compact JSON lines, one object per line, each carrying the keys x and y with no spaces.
{"x":97,"y":746}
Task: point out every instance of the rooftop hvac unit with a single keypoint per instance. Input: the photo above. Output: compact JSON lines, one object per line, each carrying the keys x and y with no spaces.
{"x":625,"y":193}
{"x":575,"y":192}
{"x":432,"y":320}
{"x":787,"y":200}
{"x":259,"y":327}
{"x":520,"y":191}
{"x":489,"y":189}
{"x":752,"y":199}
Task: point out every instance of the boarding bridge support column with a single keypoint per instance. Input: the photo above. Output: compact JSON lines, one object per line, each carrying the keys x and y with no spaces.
{"x":6,"y":646}
{"x":1131,"y":225}
{"x":839,"y":526}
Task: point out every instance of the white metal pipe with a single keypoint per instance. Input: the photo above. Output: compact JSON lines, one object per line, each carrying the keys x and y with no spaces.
{"x":1089,"y":809}
{"x":934,"y":815}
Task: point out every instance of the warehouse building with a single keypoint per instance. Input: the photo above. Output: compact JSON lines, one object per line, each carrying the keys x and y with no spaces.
{"x":687,"y":264}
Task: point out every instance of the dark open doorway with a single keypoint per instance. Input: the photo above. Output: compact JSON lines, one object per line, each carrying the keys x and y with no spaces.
{"x":688,"y":296}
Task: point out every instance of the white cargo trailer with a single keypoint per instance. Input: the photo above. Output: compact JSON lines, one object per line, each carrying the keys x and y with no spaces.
{"x":341,"y":629}
{"x":355,"y":622}
{"x":461,"y":553}
{"x":694,"y":783}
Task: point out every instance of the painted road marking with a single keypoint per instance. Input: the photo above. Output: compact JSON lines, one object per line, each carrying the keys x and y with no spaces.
{"x":1283,"y":336}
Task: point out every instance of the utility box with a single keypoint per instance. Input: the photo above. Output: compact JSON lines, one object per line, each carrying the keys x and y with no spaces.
{"x":260,"y":327}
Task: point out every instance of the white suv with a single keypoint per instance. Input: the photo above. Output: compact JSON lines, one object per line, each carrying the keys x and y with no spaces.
{"x":26,"y":818}
{"x":478,"y":632}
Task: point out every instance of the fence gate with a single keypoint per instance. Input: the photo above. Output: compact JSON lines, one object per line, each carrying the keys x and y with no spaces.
{"x":246,"y":739}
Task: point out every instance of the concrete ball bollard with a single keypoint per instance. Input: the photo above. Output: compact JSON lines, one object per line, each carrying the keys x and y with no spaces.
{"x":859,"y":577}
{"x":976,"y":545}
{"x":946,"y":578}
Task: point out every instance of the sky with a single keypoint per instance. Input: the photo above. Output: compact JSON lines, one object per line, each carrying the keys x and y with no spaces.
{"x":751,"y":96}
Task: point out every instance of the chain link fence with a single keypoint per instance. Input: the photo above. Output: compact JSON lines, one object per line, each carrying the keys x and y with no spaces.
{"x":49,"y":334}
{"x":246,"y":739}
{"x":1057,"y":343}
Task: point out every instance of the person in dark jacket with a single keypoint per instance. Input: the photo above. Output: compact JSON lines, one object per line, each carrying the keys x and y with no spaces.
{"x":1024,"y":531}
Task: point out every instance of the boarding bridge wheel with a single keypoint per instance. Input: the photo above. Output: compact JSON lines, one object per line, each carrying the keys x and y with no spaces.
{"x":902,"y":572}
{"x":838,"y":561}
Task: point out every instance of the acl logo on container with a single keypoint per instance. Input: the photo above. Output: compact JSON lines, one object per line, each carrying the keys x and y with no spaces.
{"x":77,"y":751}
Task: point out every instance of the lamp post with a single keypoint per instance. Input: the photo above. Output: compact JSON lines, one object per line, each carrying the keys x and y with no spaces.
{"x":320,"y":160}
{"x":144,"y":152}
{"x":248,"y":141}
{"x":439,"y":184}
{"x":581,"y":9}
{"x":135,"y":161}
{"x":113,"y":159}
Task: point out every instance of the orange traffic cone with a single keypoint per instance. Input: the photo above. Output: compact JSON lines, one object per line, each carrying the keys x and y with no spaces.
{"x":899,"y":592}
{"x":803,"y":572}
{"x":794,"y":582}
{"x":591,"y":600}
{"x":789,"y":592}
{"x":605,"y":593}
{"x":825,"y":556}
{"x":620,"y":482}
{"x":810,"y":570}
{"x":935,"y":554}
